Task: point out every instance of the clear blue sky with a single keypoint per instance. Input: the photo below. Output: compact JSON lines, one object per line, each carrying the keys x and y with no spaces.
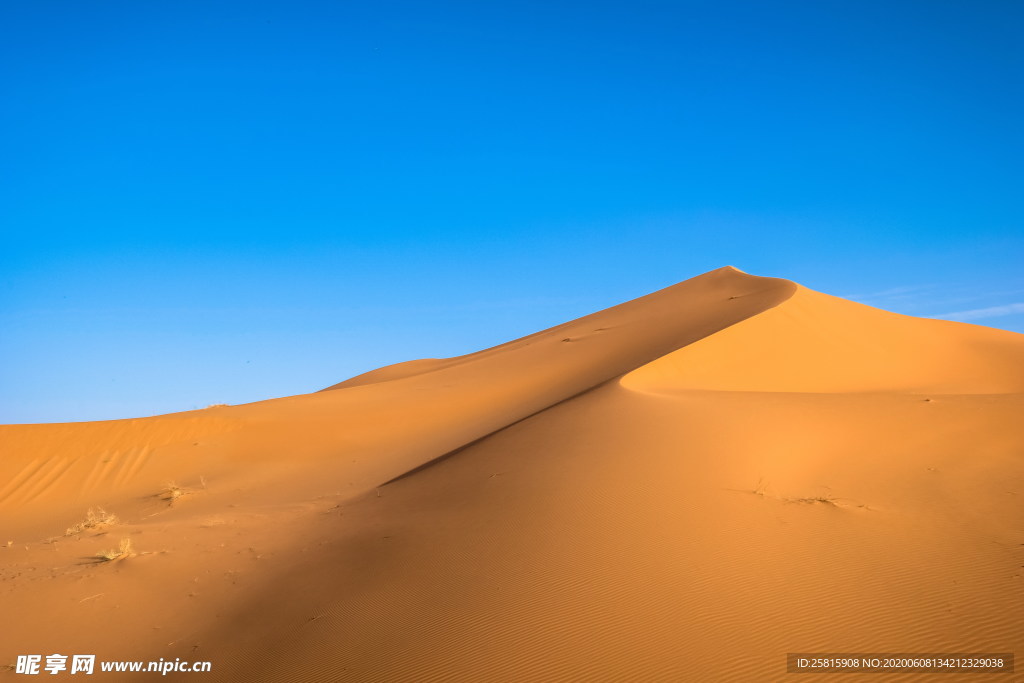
{"x":220,"y":202}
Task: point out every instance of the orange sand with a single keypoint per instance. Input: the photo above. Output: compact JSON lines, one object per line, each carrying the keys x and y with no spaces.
{"x":684,"y":487}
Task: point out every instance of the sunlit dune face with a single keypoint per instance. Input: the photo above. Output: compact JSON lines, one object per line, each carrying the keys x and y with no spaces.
{"x":684,"y":487}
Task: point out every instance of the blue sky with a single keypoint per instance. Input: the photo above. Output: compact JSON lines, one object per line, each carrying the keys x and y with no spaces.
{"x":220,"y":202}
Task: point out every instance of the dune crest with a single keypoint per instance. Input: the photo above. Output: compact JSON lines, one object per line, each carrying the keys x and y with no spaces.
{"x":434,"y":406}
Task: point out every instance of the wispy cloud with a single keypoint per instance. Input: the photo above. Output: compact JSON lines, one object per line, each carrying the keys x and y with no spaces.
{"x":981,"y":313}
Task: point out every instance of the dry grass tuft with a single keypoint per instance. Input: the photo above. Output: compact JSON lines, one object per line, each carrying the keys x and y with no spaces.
{"x":123,"y":551}
{"x":827,"y":500}
{"x":172,"y":492}
{"x":765,"y":491}
{"x":94,"y":519}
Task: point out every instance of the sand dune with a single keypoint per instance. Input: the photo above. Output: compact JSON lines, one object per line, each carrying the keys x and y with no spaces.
{"x":683,"y":487}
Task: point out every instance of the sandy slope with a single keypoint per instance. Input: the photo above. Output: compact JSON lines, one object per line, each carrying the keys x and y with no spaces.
{"x":683,"y":487}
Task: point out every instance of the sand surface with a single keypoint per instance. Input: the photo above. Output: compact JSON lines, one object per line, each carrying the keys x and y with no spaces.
{"x":684,"y":487}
